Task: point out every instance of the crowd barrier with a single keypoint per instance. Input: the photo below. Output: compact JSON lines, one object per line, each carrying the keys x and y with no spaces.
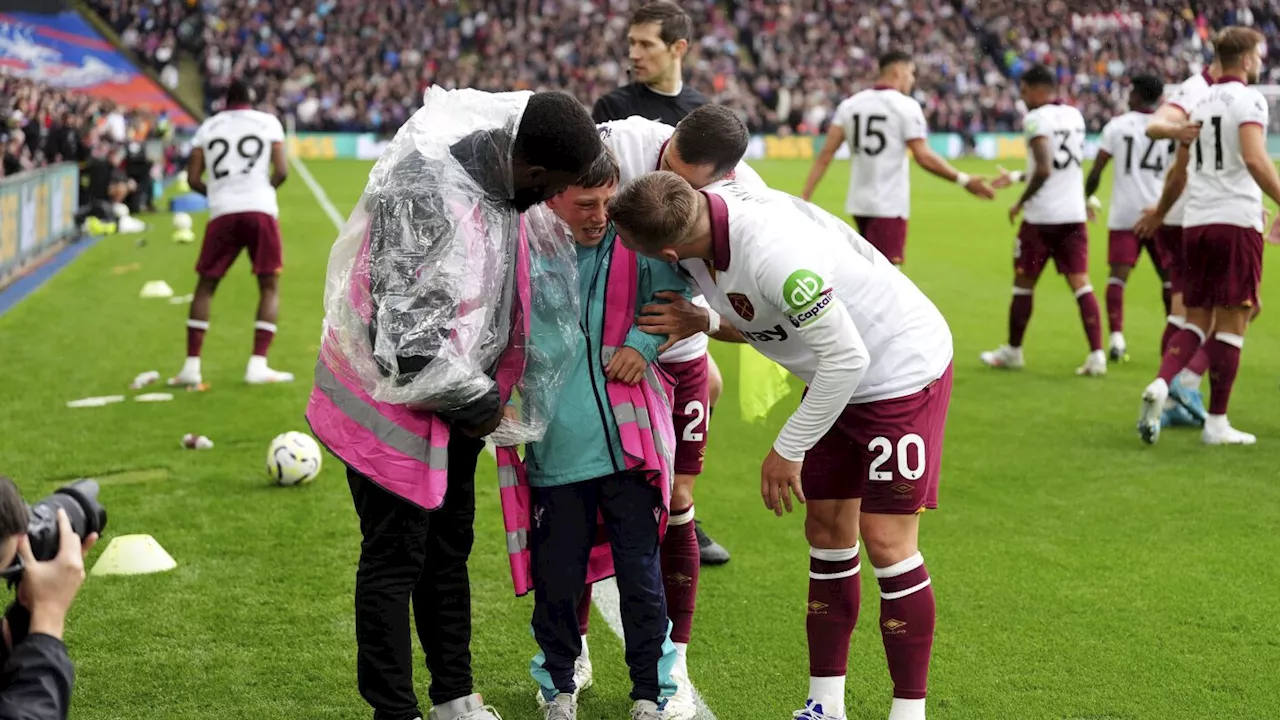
{"x":37,"y":211}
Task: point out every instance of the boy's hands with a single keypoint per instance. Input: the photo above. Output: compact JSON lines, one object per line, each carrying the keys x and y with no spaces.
{"x":627,"y":366}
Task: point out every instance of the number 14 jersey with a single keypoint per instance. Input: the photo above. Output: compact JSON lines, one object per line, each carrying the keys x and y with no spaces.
{"x":1061,"y":199}
{"x":237,"y":160}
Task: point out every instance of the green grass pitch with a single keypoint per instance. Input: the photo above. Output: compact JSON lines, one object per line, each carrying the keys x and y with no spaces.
{"x":1078,"y":573}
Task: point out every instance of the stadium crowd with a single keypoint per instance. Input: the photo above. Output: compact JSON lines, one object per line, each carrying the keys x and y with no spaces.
{"x":362,"y":65}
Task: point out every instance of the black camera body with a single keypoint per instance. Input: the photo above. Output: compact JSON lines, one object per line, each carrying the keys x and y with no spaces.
{"x":80,"y":501}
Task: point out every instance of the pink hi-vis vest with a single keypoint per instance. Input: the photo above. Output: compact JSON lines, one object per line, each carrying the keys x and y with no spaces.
{"x":645,"y":429}
{"x":404,"y":451}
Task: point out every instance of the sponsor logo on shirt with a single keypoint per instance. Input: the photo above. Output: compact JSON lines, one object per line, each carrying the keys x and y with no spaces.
{"x":777,"y":332}
{"x":803,"y":292}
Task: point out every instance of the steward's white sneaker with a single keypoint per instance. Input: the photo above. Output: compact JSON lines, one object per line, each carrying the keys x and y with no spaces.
{"x":1095,"y":364}
{"x":257,"y":373}
{"x":1005,"y":357}
{"x":1153,"y":399}
{"x":1217,"y":431}
{"x":471,"y":707}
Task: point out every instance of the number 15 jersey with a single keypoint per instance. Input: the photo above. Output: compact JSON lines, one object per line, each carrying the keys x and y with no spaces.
{"x":237,"y":160}
{"x":878,"y":123}
{"x":1061,"y":199}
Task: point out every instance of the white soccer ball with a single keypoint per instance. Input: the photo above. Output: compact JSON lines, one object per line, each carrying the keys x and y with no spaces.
{"x":181,"y":221}
{"x":120,"y":210}
{"x":293,"y":459}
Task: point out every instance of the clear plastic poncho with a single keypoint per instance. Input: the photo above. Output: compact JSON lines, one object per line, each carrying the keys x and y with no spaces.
{"x":423,"y":277}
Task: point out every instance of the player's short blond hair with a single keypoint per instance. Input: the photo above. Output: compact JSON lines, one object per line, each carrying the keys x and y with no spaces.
{"x":656,"y":211}
{"x":1233,"y":43}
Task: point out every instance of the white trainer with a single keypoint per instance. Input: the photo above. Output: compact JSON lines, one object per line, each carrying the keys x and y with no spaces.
{"x":583,"y":675}
{"x":680,"y":706}
{"x":1153,"y":400}
{"x":813,"y":711}
{"x":1119,"y":350}
{"x":645,"y":710}
{"x":189,"y":376}
{"x":1005,"y":357}
{"x":1217,"y":431}
{"x":471,"y":707}
{"x":1095,"y":365}
{"x":257,"y":373}
{"x":564,"y":707}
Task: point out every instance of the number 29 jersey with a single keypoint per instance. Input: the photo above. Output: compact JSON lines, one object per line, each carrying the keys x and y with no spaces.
{"x":1061,"y":199}
{"x":237,"y":159}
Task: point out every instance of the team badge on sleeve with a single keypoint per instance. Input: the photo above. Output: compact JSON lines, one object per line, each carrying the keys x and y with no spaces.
{"x":742,"y":305}
{"x":805,"y":295}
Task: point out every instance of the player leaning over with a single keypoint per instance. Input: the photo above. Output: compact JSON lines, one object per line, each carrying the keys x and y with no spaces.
{"x":1165,"y":221}
{"x":658,"y":38}
{"x":881,"y":125}
{"x":248,"y":164}
{"x":864,"y":447}
{"x":1228,"y":171}
{"x":1053,"y":223}
{"x":1139,"y":176}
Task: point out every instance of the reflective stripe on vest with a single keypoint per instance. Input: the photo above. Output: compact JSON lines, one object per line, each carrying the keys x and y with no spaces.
{"x":384,"y":429}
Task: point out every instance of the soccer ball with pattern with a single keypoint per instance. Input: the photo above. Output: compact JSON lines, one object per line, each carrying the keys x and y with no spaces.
{"x":293,"y":459}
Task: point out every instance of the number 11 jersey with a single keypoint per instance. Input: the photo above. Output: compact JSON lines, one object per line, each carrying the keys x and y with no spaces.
{"x":1061,"y":200}
{"x":878,"y":123}
{"x":237,"y":159}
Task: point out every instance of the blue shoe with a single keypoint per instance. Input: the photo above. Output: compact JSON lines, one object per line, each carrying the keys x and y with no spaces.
{"x":1178,"y":416}
{"x":1190,"y":399}
{"x":813,"y":711}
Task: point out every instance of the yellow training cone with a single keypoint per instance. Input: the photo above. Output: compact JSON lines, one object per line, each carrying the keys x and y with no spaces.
{"x":133,"y":555}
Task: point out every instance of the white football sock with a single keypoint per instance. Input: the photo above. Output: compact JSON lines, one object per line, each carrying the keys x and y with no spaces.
{"x":191,"y":367}
{"x":1189,"y":379}
{"x":829,"y":693}
{"x":907,"y":709}
{"x":682,"y":658}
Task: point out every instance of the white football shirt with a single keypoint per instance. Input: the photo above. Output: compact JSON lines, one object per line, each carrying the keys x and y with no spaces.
{"x":822,"y":303}
{"x":237,"y":159}
{"x":878,"y":123}
{"x":1061,"y":198}
{"x":1186,"y":97}
{"x":1220,"y":189}
{"x":1140,"y":165}
{"x":638,"y":143}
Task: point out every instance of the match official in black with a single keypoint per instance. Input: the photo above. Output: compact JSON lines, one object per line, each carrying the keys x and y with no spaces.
{"x":659,"y":37}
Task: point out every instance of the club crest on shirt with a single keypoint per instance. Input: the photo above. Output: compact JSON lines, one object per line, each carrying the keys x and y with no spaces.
{"x":742,"y":305}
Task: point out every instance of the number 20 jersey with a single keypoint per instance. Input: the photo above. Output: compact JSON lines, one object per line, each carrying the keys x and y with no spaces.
{"x":237,"y":160}
{"x":1061,"y":199}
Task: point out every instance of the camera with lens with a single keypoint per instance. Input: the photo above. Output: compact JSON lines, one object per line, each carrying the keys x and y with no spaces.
{"x":80,"y":501}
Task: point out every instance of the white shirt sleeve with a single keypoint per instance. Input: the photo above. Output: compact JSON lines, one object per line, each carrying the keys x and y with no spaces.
{"x":1254,"y":110}
{"x":199,"y":140}
{"x":1108,"y":140}
{"x":798,"y":284}
{"x":844,"y":111}
{"x":914,"y":126}
{"x":1034,"y":126}
{"x":275,"y":131}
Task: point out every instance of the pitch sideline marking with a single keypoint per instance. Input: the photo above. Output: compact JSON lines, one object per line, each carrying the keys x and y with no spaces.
{"x":605,"y":593}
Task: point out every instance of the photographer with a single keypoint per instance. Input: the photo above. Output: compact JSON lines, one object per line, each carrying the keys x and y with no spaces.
{"x":35,"y":682}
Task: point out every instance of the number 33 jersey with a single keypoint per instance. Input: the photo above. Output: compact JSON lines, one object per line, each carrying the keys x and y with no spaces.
{"x":1061,"y":200}
{"x":237,"y":161}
